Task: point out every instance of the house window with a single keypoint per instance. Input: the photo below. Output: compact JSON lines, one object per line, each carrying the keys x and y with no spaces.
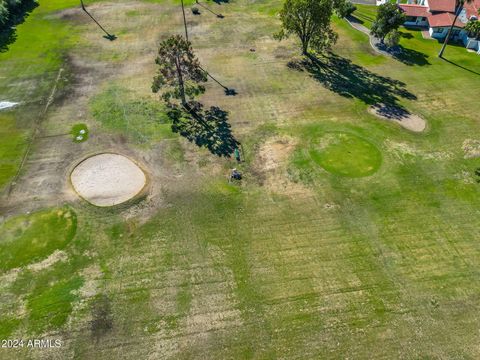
{"x":424,"y":18}
{"x":438,"y":30}
{"x":455,"y":32}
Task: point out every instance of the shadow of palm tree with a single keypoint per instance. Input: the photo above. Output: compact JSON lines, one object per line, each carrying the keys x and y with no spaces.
{"x":347,"y":79}
{"x":206,"y":128}
{"x":460,"y":66}
{"x":8,"y":33}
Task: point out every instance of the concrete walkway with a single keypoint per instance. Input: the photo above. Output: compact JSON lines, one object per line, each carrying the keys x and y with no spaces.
{"x":374,"y":42}
{"x":365,"y":2}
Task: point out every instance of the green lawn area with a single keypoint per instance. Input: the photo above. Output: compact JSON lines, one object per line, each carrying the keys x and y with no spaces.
{"x":31,"y":238}
{"x":348,"y":236}
{"x":366,"y":14}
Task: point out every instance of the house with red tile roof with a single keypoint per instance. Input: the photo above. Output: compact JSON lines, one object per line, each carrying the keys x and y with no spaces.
{"x":438,"y":16}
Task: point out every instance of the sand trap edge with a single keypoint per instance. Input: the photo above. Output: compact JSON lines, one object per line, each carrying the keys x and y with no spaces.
{"x":373,"y":110}
{"x":127,"y":202}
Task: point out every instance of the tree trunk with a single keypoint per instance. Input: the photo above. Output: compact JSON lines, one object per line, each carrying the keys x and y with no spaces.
{"x":184,"y":21}
{"x":304,"y":47}
{"x":447,"y":38}
{"x":180,"y":82}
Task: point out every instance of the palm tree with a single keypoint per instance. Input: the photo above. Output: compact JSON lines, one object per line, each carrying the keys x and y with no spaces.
{"x":458,"y":9}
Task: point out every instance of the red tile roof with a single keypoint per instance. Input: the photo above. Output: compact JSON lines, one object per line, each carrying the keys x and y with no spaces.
{"x":414,"y":10}
{"x":442,"y":5}
{"x":472,"y":9}
{"x":443,"y":19}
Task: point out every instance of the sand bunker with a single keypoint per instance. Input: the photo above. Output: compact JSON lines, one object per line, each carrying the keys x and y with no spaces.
{"x":399,"y":115}
{"x":107,"y":179}
{"x":7,"y":104}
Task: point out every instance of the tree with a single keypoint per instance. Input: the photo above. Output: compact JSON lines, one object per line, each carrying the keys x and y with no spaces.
{"x":9,"y":9}
{"x":458,"y":9}
{"x":4,"y":13}
{"x":310,"y":21}
{"x":392,"y":39}
{"x":473,"y":28}
{"x":179,"y":74}
{"x":389,"y":17}
{"x":343,"y":8}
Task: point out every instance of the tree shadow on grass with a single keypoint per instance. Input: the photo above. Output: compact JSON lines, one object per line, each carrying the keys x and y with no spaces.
{"x":406,"y":56}
{"x":206,"y":128}
{"x":8,"y":31}
{"x":347,"y":79}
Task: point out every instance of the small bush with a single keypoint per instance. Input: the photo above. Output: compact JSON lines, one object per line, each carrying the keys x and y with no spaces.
{"x":392,"y":39}
{"x":345,"y":9}
{"x":195,"y":11}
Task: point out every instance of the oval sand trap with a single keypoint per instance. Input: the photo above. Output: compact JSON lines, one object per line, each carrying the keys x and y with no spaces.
{"x":399,"y":115}
{"x":107,"y":179}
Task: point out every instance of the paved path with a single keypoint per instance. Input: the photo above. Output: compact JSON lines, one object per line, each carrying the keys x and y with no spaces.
{"x":365,"y":2}
{"x":374,"y":42}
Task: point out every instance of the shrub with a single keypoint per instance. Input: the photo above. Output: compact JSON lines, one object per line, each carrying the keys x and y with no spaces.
{"x":392,"y":39}
{"x":345,"y":9}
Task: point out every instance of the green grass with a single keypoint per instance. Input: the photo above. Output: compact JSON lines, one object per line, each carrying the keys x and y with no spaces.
{"x":31,"y":238}
{"x":142,"y":121}
{"x":345,"y":154}
{"x":28,"y":69}
{"x":11,"y":147}
{"x":366,"y":14}
{"x":50,"y":308}
{"x":79,"y":132}
{"x":294,"y":261}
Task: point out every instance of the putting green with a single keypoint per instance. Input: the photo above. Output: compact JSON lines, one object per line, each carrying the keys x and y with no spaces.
{"x":346,"y":155}
{"x":27,"y":239}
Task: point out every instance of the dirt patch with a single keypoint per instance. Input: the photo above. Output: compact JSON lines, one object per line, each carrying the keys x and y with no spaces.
{"x":404,"y":151}
{"x":56,"y":256}
{"x":272,"y":163}
{"x":398,"y":115}
{"x":471,"y":148}
{"x":108,"y":179}
{"x":275,"y":152}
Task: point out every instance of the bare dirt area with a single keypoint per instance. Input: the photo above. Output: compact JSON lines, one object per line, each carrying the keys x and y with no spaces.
{"x":400,"y":116}
{"x":272,"y":164}
{"x":471,"y":148}
{"x":108,"y":179}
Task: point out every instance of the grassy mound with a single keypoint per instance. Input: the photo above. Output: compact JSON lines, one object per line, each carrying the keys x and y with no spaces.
{"x":347,"y":155}
{"x":31,"y":238}
{"x":79,"y":133}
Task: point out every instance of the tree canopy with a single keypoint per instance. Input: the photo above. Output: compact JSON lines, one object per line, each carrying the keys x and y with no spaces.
{"x":389,"y":17}
{"x":179,"y":75}
{"x":9,"y":9}
{"x":473,"y":28}
{"x":343,"y":8}
{"x":309,"y":20}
